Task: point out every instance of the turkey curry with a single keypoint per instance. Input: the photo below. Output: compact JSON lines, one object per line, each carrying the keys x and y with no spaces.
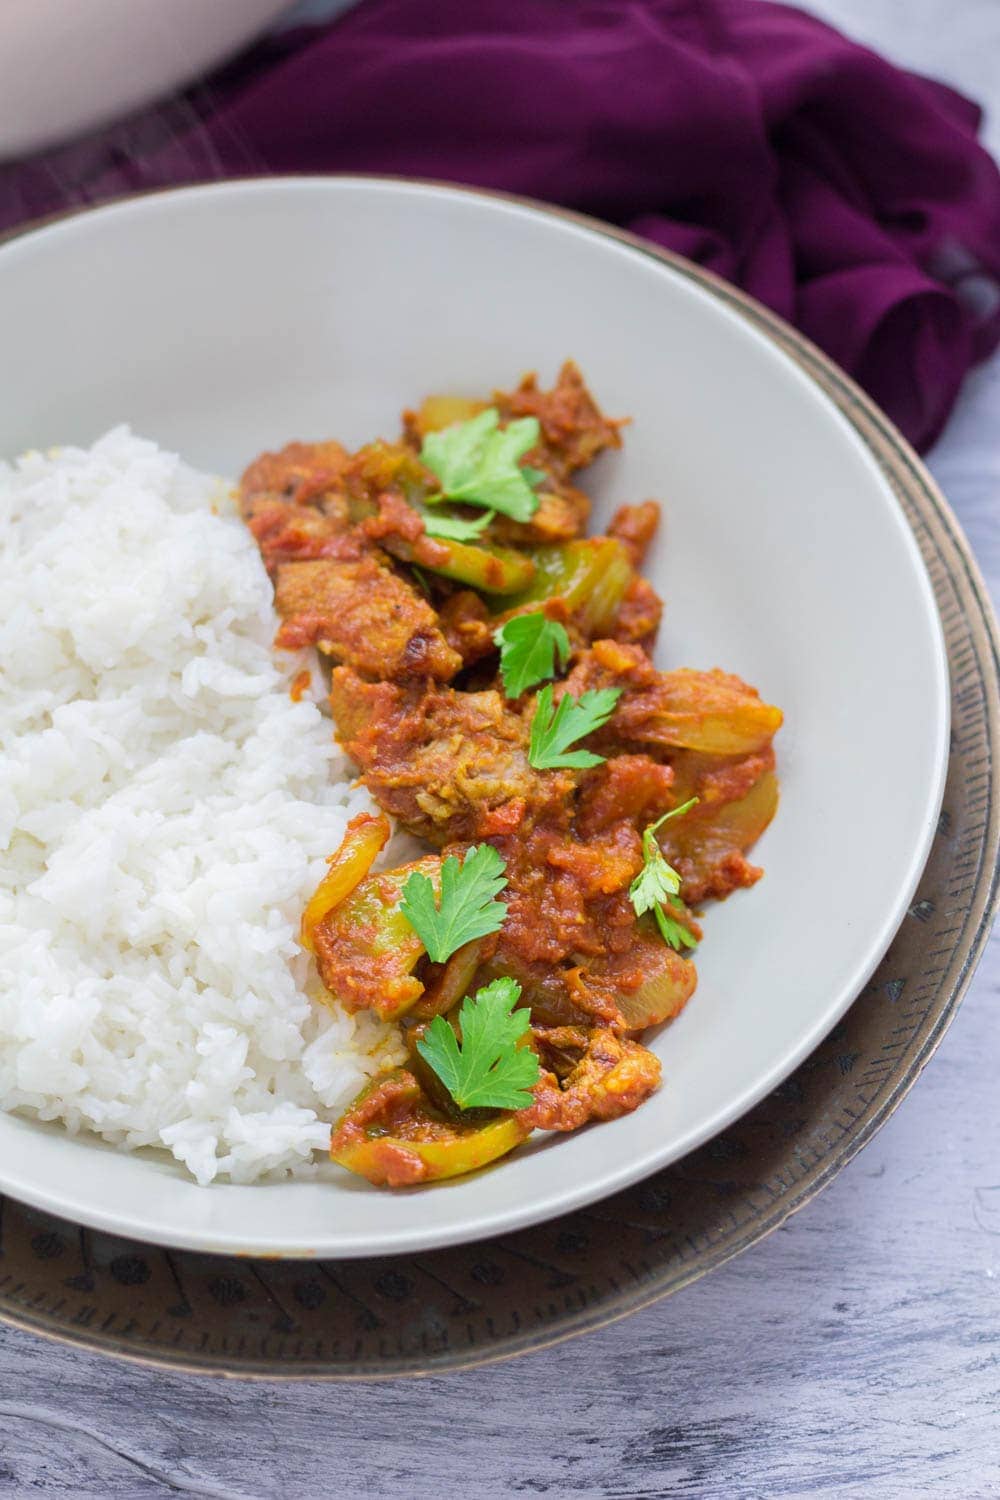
{"x":492,"y":676}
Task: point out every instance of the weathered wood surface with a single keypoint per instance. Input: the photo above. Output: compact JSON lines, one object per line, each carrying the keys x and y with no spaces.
{"x":854,"y":1353}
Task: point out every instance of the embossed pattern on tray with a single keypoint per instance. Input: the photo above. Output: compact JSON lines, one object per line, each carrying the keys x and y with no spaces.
{"x":472,"y":1303}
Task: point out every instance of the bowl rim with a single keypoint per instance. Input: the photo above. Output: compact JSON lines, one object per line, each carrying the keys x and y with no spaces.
{"x":774,"y":335}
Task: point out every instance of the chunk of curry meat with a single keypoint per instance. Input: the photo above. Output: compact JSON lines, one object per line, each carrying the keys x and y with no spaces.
{"x":299,"y":472}
{"x":362,"y":614}
{"x":449,"y":765}
{"x":636,"y":526}
{"x":574,"y":430}
{"x":612,"y":1076}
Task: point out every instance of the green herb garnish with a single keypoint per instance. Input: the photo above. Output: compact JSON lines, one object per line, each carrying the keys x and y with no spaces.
{"x":487,"y":1069}
{"x":476,"y":463}
{"x":455,"y":528}
{"x":468,"y":907}
{"x":529,"y":645}
{"x":552,"y":732}
{"x":657,"y":884}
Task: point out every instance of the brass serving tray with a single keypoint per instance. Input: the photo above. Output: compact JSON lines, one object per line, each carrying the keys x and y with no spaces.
{"x":366,"y":1319}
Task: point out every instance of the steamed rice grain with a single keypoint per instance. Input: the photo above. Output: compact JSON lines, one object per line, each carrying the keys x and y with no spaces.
{"x":165,"y":811}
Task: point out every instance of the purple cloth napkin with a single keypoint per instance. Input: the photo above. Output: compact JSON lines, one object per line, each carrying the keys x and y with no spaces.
{"x":849,"y":196}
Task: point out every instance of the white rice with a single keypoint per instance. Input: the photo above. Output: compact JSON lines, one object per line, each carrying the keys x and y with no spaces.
{"x":165,"y":809}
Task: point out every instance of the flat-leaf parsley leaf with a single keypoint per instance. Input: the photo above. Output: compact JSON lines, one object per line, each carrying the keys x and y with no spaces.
{"x":476,"y":463}
{"x":552,"y":733}
{"x":528,"y":648}
{"x":468,"y":907}
{"x":487,"y":1069}
{"x":456,"y":528}
{"x":657,"y":883}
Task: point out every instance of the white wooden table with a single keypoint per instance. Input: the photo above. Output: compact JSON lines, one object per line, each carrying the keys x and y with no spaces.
{"x":854,"y":1353}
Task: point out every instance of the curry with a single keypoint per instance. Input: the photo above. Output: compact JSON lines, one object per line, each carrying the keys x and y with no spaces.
{"x":491,"y":674}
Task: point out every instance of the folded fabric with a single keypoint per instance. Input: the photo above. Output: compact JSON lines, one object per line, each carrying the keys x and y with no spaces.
{"x":846,"y":194}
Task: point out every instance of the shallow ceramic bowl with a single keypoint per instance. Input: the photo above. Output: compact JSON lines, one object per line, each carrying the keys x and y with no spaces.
{"x":227,"y":319}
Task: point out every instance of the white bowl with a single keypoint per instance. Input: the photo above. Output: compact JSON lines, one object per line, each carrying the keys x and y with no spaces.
{"x":227,"y":319}
{"x":67,"y":66}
